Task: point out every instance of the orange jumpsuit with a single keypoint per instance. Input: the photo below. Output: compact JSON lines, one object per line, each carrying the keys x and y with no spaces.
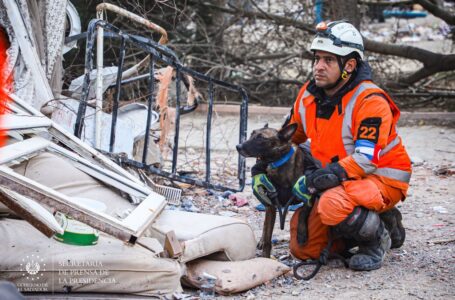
{"x":378,"y":173}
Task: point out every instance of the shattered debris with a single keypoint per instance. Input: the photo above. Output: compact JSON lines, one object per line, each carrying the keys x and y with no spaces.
{"x":444,"y":171}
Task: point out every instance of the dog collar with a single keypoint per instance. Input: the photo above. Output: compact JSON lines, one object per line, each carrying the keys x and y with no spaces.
{"x":282,"y":160}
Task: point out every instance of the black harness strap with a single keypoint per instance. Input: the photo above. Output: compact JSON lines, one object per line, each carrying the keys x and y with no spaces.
{"x":282,"y":211}
{"x":323,"y":260}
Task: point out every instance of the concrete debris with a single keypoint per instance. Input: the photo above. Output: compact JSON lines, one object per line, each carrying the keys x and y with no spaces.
{"x":408,"y":32}
{"x":445,"y":171}
{"x":417,"y":161}
{"x":188,"y":205}
{"x":440,"y":209}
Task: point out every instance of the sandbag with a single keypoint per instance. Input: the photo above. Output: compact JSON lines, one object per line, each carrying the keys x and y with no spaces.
{"x":234,"y":276}
{"x":35,"y":263}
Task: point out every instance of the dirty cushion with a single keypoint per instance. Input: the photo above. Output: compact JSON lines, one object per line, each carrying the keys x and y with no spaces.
{"x":226,"y":238}
{"x":234,"y":277}
{"x":36,"y":263}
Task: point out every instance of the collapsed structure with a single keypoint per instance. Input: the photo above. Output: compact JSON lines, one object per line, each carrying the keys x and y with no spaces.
{"x":114,"y":233}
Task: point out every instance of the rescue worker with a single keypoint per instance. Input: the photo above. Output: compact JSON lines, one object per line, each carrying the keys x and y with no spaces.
{"x":351,"y":124}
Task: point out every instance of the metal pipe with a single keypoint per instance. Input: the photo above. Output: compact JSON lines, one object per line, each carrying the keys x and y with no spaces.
{"x":153,"y":170}
{"x":99,"y":80}
{"x":149,"y":109}
{"x":208,"y":132}
{"x":177,"y":120}
{"x":123,"y":12}
{"x":88,"y":68}
{"x":242,"y":137}
{"x":118,"y":92}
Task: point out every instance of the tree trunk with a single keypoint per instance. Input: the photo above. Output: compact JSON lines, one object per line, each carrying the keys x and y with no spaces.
{"x":345,"y":10}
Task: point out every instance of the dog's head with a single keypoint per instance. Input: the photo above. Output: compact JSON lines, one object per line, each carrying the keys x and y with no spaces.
{"x":267,"y":144}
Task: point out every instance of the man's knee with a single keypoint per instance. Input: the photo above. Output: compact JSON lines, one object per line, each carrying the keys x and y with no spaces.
{"x":334,"y":206}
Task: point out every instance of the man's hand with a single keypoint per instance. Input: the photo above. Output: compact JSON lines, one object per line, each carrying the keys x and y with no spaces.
{"x":263,"y":189}
{"x":325,"y":178}
{"x":300,"y":190}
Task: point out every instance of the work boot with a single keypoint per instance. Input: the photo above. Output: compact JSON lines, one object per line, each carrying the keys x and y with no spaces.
{"x":366,"y":228}
{"x":392,"y":221}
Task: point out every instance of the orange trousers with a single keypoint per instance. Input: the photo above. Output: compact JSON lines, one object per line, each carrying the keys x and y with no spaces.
{"x":334,"y":206}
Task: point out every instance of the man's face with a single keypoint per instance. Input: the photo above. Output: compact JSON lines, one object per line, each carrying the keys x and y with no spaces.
{"x":325,"y":69}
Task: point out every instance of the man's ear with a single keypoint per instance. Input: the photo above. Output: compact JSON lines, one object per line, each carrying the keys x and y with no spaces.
{"x":286,"y":133}
{"x":350,"y":65}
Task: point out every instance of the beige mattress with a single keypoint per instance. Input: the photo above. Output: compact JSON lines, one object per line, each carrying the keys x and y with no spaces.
{"x":38,"y":264}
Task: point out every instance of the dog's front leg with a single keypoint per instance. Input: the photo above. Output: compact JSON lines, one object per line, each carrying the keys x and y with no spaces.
{"x":269,"y":223}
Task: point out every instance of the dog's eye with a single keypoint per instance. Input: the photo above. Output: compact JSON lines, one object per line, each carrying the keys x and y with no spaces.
{"x":259,"y":137}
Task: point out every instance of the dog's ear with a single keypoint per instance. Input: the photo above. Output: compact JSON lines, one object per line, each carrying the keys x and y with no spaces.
{"x":266,"y":125}
{"x":287,"y":132}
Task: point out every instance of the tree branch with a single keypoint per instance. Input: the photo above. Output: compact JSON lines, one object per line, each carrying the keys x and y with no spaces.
{"x":437,"y":11}
{"x":433,"y":62}
{"x":279,"y":20}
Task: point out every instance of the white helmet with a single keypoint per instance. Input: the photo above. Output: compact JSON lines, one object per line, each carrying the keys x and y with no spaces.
{"x":339,"y":37}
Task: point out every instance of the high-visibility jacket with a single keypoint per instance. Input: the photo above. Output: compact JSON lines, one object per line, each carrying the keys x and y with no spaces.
{"x":360,"y":135}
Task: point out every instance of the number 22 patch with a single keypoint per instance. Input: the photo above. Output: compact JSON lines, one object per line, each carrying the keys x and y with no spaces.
{"x":369,"y":129}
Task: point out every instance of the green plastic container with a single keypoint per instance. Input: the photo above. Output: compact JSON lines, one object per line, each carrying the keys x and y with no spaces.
{"x":76,"y":233}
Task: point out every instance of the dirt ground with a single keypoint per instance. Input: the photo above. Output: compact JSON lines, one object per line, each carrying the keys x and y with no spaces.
{"x":423,"y":268}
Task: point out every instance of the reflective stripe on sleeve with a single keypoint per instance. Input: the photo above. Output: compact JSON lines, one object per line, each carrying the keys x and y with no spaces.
{"x":346,"y":131}
{"x":364,"y":162}
{"x":394,"y":174}
{"x":389,"y":147}
{"x":302,"y":110}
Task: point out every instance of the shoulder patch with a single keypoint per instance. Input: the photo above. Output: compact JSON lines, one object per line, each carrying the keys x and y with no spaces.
{"x":369,"y":129}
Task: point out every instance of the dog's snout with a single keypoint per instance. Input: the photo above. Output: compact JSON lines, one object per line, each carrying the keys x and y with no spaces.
{"x":239,"y":147}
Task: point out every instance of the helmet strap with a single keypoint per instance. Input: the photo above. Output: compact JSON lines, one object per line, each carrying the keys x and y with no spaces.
{"x":344,"y":75}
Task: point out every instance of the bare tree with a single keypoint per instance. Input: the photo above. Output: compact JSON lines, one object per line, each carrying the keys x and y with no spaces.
{"x":345,"y":9}
{"x":264,"y":45}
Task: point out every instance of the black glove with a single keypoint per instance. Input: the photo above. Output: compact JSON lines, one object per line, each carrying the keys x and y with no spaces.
{"x":263,"y":188}
{"x":322,"y":179}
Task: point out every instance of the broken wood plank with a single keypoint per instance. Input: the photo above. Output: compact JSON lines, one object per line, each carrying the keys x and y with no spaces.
{"x":172,"y":245}
{"x":142,"y":217}
{"x":31,"y":211}
{"x":64,"y":204}
{"x":23,"y":148}
{"x":107,"y":176}
{"x":18,"y":122}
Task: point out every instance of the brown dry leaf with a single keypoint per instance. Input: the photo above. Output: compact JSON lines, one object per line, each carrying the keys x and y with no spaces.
{"x":164,"y":77}
{"x":183,"y":185}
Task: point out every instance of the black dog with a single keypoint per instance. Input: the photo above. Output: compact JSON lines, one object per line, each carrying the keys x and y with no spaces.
{"x":269,"y":145}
